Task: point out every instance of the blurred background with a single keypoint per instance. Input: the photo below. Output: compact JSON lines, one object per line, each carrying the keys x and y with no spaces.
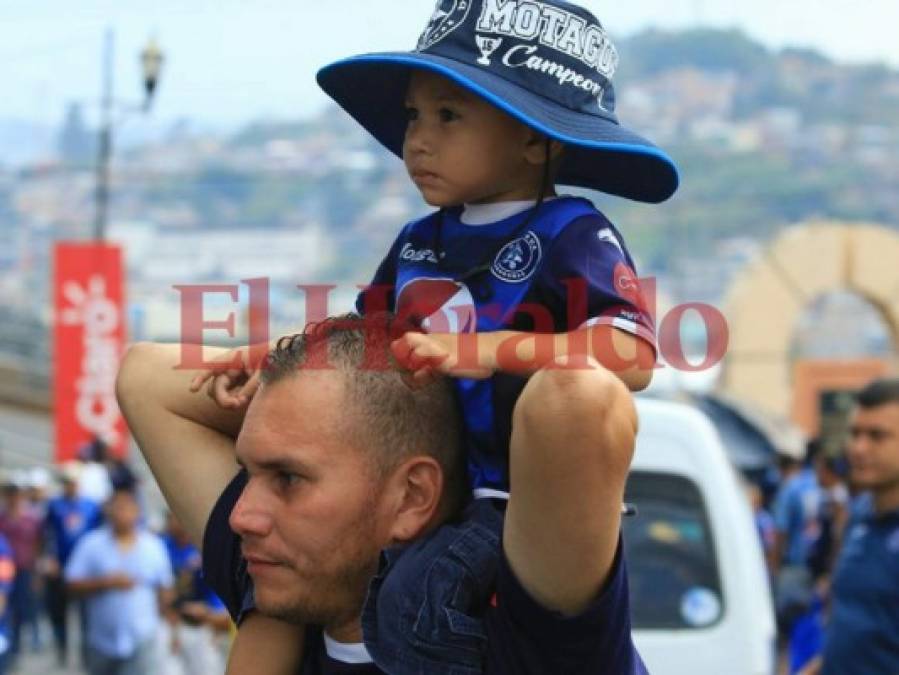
{"x":192,"y":139}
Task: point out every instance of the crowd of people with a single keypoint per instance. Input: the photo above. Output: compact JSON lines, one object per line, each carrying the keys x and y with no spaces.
{"x":837,"y":609}
{"x":76,"y":550}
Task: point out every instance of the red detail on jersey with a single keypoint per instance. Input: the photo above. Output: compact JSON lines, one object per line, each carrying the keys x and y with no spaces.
{"x":628,"y":286}
{"x":494,"y":602}
{"x":438,"y":305}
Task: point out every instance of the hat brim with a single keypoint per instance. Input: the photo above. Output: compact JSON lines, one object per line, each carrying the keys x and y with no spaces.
{"x":599,"y":154}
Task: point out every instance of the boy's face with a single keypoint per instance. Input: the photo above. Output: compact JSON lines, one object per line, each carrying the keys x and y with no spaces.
{"x":460,"y":149}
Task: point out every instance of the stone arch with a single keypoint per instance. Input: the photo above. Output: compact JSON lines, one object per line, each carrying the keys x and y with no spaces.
{"x":765,"y":301}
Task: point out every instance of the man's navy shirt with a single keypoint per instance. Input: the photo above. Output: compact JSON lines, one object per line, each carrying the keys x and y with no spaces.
{"x":523,"y":638}
{"x":862,"y":637}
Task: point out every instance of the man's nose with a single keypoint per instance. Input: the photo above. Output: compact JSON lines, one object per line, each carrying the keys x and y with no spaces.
{"x":249,"y":517}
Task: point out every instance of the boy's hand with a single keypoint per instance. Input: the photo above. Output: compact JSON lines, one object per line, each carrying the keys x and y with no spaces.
{"x":429,"y":356}
{"x":232,"y":378}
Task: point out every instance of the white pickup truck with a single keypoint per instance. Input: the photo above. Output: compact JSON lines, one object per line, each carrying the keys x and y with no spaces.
{"x":699,"y":590}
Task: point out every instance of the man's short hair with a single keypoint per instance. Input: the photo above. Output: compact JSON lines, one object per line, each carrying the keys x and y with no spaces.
{"x":384,"y":414}
{"x":878,"y":393}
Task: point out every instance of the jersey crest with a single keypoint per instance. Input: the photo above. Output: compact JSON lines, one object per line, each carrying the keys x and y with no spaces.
{"x":517,"y":260}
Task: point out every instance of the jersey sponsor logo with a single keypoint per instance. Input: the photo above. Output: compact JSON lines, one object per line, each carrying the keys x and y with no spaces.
{"x":517,"y":260}
{"x":73,"y":522}
{"x":411,"y":254}
{"x":438,"y":306}
{"x":627,"y":285}
{"x":448,"y":16}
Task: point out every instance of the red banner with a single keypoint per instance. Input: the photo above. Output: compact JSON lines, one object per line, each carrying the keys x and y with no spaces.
{"x":88,"y":342}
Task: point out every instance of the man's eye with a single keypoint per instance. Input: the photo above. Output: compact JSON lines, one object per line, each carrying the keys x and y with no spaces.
{"x":411,"y":114}
{"x":447,"y":115}
{"x":287,"y":479}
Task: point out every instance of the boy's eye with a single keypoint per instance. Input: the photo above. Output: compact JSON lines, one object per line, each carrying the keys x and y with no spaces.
{"x":447,"y":115}
{"x":411,"y":114}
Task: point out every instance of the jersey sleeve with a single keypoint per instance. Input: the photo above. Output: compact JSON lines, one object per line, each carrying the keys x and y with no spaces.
{"x":526,"y":638}
{"x":224,"y":569}
{"x":378,"y":296}
{"x":589,"y":279}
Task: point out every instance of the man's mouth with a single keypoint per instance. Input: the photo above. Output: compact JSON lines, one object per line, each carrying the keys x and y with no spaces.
{"x":257,"y":562}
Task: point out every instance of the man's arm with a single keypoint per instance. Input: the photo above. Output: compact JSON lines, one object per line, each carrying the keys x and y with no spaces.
{"x":283,"y":647}
{"x":573,"y":434}
{"x":187,"y":440}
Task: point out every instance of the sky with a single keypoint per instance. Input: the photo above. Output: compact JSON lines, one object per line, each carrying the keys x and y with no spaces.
{"x":232,"y":61}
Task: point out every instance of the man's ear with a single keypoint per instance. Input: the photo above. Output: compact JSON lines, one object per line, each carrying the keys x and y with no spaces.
{"x":535,"y":148}
{"x":417,"y":488}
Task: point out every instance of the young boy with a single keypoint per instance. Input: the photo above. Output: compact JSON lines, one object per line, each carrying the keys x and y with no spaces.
{"x":499,"y":102}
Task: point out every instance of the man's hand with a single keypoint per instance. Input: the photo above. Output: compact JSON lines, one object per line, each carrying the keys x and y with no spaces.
{"x":429,"y":356}
{"x":233,"y":378}
{"x":119,"y":582}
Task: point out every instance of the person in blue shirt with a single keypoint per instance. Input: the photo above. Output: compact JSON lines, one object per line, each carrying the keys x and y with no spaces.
{"x":7,"y":576}
{"x":862,"y":633}
{"x":345,"y":462}
{"x":69,"y":517}
{"x":201,"y":614}
{"x":124,"y":576}
{"x":499,"y":104}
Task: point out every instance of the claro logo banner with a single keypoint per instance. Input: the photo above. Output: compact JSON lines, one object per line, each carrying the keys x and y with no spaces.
{"x":88,"y":341}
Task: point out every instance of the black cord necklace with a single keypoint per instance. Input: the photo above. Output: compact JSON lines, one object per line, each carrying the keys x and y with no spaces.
{"x":486,"y":293}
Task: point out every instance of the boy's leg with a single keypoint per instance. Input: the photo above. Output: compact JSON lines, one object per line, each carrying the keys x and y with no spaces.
{"x":424,"y":611}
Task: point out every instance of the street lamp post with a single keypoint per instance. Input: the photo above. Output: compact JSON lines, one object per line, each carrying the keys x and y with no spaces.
{"x":151,"y":59}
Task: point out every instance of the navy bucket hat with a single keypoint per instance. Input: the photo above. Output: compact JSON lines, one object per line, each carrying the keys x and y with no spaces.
{"x":548,"y":64}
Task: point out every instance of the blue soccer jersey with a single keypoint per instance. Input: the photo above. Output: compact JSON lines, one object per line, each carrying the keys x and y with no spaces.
{"x":190,"y":586}
{"x":67,"y":521}
{"x":565,"y":269}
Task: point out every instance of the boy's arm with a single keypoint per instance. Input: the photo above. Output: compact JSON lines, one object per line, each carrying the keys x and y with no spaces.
{"x":478,"y":355}
{"x":187,"y":440}
{"x":266,"y":645}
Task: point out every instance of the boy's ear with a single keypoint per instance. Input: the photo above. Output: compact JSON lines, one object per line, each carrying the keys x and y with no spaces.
{"x":535,"y":149}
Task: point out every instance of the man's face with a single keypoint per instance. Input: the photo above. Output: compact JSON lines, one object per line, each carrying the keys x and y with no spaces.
{"x":123,"y":512}
{"x":460,"y":149}
{"x":309,"y":517}
{"x":874,"y":447}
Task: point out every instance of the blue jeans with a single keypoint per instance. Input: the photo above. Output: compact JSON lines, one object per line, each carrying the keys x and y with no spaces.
{"x":424,"y":610}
